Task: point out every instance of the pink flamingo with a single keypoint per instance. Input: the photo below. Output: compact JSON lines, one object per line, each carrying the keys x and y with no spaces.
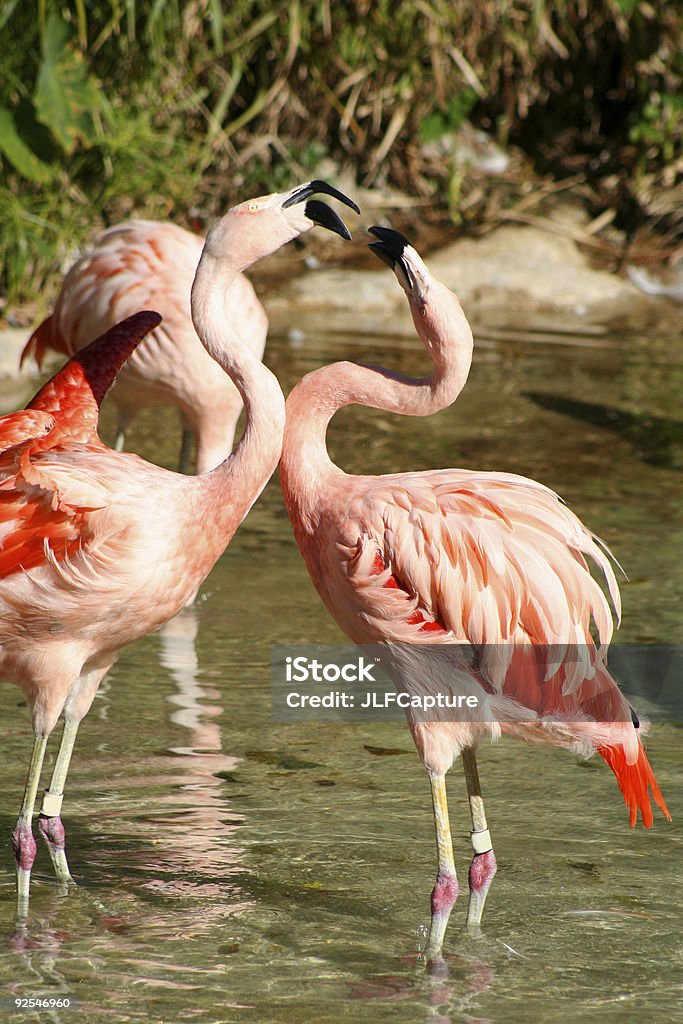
{"x":143,"y":264}
{"x":491,"y":560}
{"x":98,"y":547}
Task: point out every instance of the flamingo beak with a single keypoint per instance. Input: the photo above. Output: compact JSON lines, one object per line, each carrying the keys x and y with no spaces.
{"x":319,"y":212}
{"x":322,"y":214}
{"x":390,"y":248}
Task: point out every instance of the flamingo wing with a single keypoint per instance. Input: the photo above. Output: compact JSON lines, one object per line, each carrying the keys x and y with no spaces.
{"x":74,"y":395}
{"x":46,"y":441}
{"x":489,"y":558}
{"x":36,"y":524}
{"x":498,"y":561}
{"x":25,"y":425}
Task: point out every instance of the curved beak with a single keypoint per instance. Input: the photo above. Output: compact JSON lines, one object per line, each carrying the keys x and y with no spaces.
{"x":390,"y":249}
{"x":317,"y":211}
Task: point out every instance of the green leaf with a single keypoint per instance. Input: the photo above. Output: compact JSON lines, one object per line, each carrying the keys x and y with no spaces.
{"x":66,"y":93}
{"x":438,"y":123}
{"x":216,"y":16}
{"x":8,"y":12}
{"x":627,"y":7}
{"x":22,"y":158}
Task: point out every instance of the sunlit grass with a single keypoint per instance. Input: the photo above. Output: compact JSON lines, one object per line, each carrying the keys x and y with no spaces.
{"x":159,"y":106}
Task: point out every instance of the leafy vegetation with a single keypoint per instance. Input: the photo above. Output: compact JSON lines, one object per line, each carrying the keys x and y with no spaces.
{"x":168,"y":108}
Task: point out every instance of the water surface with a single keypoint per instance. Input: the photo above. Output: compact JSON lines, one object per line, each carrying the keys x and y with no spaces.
{"x":234,"y":869}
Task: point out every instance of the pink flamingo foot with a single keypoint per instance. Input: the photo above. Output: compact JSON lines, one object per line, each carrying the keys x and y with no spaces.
{"x":24,"y":846}
{"x":444,"y":895}
{"x":482,"y":870}
{"x":52,"y":831}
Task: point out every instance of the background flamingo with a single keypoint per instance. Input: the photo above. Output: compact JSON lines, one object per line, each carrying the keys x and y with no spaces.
{"x":147,"y":264}
{"x":488,"y":560}
{"x":98,"y":547}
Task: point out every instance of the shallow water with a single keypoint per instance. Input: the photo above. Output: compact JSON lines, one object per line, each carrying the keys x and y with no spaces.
{"x":234,"y":869}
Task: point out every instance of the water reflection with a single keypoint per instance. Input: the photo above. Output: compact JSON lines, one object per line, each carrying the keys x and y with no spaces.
{"x":448,"y":990}
{"x":201,"y":829}
{"x":38,"y":947}
{"x":657,"y":440}
{"x":210,"y":841}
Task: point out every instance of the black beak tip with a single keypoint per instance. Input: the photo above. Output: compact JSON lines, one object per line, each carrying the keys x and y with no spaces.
{"x":318,"y":186}
{"x":383,"y":253}
{"x":390,"y":248}
{"x":393,"y":241}
{"x":320,"y":213}
{"x":310,"y":188}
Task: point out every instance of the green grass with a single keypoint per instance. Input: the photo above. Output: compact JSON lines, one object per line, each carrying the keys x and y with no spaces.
{"x":172,"y":109}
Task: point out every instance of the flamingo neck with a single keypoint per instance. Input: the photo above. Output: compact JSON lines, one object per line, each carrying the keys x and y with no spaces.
{"x":247,"y":470}
{"x":306,"y":467}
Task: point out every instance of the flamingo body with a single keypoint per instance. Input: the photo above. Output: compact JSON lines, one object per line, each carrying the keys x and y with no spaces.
{"x":80,"y":557}
{"x":93,"y":542}
{"x":149,"y":264}
{"x":492,"y":561}
{"x":99,"y":547}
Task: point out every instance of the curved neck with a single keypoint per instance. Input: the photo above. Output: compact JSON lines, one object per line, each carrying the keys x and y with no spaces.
{"x":305,"y":463}
{"x":247,"y":470}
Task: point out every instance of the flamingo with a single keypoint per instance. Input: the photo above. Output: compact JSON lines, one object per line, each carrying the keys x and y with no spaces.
{"x":150,"y":264}
{"x":492,"y":562}
{"x":98,"y":547}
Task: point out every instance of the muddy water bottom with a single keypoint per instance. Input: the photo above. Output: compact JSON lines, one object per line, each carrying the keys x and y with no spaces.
{"x":235,"y":869}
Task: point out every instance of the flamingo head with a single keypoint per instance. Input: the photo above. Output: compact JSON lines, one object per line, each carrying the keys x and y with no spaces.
{"x":259,"y":226}
{"x":434,"y":306}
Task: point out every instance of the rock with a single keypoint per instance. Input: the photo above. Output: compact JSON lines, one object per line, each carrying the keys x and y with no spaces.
{"x":515,"y":272}
{"x":16,"y":386}
{"x":522,"y":269}
{"x":527,"y":268}
{"x":668,"y":282}
{"x":12,"y":341}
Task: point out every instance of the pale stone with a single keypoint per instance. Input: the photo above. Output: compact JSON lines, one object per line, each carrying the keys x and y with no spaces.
{"x":514,"y":268}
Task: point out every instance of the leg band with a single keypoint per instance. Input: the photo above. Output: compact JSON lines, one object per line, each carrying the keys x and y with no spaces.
{"x":481,"y":841}
{"x":52,"y":804}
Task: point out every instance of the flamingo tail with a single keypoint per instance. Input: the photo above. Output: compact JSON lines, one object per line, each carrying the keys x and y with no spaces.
{"x":634,"y":781}
{"x":45,"y":337}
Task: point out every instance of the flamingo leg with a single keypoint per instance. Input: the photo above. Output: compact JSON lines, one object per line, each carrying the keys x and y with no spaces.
{"x":22,"y":838}
{"x":49,"y":821}
{"x":445,"y":891}
{"x":126,"y":414}
{"x":483,"y":866}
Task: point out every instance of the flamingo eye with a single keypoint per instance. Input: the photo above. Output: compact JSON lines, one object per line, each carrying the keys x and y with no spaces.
{"x":253,"y":207}
{"x":423,"y":311}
